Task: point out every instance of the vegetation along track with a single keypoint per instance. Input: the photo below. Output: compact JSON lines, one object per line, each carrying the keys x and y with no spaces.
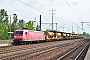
{"x":38,"y":51}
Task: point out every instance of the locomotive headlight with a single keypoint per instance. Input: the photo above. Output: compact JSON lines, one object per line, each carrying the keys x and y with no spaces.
{"x":15,"y":36}
{"x":20,"y":36}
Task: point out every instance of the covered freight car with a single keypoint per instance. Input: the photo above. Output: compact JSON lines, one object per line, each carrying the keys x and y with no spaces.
{"x":53,"y":35}
{"x":49,"y":36}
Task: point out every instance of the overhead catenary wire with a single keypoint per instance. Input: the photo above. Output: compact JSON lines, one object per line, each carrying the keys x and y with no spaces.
{"x":81,"y":21}
{"x":76,"y":8}
{"x":47,"y":27}
{"x":20,"y":9}
{"x":78,"y":27}
{"x":40,"y":4}
{"x":72,"y":9}
{"x":32,"y":7}
{"x":15,"y":6}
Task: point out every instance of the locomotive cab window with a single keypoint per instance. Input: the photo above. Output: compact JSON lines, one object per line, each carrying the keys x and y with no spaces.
{"x":19,"y":32}
{"x":25,"y":32}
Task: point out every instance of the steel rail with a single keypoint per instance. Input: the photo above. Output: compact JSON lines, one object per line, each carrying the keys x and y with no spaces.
{"x":33,"y":53}
{"x":81,"y":52}
{"x":25,"y":48}
{"x":69,"y":52}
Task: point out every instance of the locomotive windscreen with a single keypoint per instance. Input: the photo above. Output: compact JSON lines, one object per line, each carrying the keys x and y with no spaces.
{"x":19,"y":32}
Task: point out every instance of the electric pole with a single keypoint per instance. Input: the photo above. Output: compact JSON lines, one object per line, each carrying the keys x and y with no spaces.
{"x":52,"y":16}
{"x":72,"y":27}
{"x":40,"y":22}
{"x":56,"y":26}
{"x":82,"y":24}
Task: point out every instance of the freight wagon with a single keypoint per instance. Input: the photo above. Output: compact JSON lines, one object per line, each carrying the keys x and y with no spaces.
{"x":29,"y":36}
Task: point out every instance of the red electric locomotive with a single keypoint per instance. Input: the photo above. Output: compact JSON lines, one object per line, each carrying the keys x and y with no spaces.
{"x":28,"y":36}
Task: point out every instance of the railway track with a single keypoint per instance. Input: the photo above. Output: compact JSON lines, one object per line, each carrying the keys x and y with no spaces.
{"x":36,"y":51}
{"x":75,"y":53}
{"x":52,"y":55}
{"x":9,"y":49}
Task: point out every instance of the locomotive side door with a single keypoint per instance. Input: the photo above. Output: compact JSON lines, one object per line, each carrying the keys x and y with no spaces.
{"x":26,"y":36}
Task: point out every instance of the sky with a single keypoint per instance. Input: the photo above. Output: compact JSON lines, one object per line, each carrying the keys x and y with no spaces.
{"x":68,"y":14}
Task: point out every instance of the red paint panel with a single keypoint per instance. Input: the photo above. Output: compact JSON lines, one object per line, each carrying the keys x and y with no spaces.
{"x":30,"y":35}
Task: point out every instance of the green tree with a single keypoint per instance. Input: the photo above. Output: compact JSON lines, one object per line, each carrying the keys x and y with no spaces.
{"x":2,"y":14}
{"x":14,"y":25}
{"x":21,"y":24}
{"x":88,"y":35}
{"x":1,"y":31}
{"x":30,"y":25}
{"x":4,"y":25}
{"x":38,"y":28}
{"x":84,"y":33}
